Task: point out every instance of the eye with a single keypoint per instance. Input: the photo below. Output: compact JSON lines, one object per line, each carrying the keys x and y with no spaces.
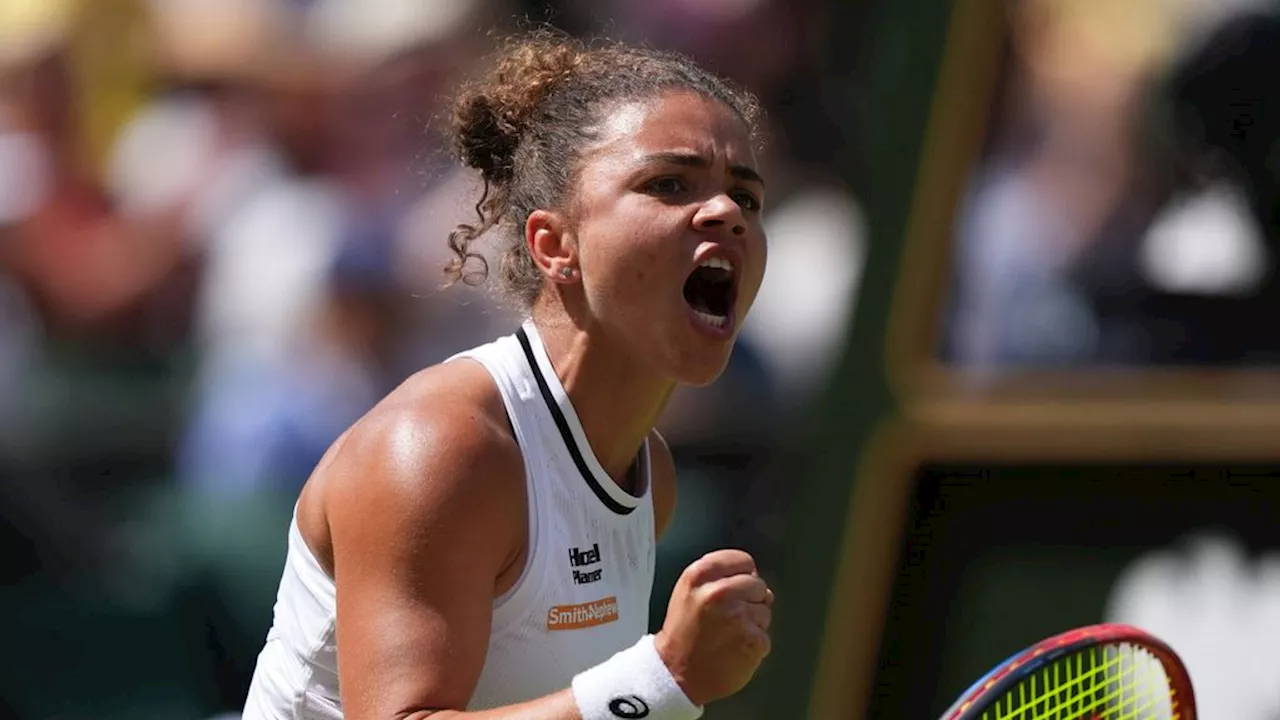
{"x":747,"y":200}
{"x":668,"y":185}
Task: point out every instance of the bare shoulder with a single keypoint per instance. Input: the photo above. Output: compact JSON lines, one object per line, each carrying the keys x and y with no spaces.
{"x":422,"y":505}
{"x":440,"y":444}
{"x":662,"y":475}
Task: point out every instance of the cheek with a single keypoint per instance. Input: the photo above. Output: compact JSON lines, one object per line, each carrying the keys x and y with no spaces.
{"x":642,"y":273}
{"x":634,"y":262}
{"x":638,"y":266}
{"x":760,"y":252}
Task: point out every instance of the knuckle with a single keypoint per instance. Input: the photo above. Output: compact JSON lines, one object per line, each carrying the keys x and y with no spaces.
{"x":717,"y":595}
{"x":733,"y":557}
{"x":742,"y":557}
{"x":698,"y":572}
{"x":721,"y":565}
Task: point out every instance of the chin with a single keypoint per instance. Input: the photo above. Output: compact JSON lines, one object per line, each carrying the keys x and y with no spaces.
{"x":702,"y":369}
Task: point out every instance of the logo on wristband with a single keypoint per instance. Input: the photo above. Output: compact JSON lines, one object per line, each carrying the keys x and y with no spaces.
{"x":628,"y":706}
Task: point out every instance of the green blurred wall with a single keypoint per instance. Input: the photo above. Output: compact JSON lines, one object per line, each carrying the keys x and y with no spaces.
{"x":896,"y":45}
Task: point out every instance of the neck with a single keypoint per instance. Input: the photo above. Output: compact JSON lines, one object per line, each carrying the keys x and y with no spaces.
{"x":617,"y":400}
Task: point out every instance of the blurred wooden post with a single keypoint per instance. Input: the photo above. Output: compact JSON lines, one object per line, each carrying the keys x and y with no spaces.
{"x":898,"y":45}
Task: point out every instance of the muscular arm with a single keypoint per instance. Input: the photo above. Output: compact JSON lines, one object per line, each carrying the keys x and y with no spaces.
{"x":424,"y":510}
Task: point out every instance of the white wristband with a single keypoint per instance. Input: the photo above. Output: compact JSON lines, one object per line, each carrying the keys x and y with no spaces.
{"x":634,"y":683}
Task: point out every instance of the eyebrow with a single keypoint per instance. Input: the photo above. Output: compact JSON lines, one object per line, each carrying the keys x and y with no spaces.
{"x":742,"y":172}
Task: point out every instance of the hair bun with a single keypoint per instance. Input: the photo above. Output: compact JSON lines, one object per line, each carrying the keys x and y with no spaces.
{"x":526,"y":124}
{"x":491,"y":114}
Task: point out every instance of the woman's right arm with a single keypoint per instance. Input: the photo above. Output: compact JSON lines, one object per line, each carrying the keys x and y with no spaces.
{"x":425,"y":505}
{"x":426,"y":509}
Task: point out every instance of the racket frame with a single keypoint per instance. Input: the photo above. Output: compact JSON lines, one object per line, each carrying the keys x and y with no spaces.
{"x":978,"y":698}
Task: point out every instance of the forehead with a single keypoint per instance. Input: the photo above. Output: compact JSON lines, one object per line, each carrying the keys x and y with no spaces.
{"x":676,"y":120}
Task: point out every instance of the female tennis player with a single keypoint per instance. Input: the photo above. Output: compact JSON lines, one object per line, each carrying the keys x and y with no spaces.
{"x":481,"y":544}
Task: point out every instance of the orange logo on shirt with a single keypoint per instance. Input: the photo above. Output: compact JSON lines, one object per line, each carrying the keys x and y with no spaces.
{"x":589,"y":614}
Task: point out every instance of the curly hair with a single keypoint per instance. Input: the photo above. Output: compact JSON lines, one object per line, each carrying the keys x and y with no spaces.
{"x":524,"y":124}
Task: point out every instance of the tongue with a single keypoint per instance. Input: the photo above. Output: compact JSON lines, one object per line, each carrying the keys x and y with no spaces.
{"x":701,"y":306}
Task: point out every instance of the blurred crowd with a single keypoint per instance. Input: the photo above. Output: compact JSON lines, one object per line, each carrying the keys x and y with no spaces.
{"x":223,"y":224}
{"x":222,"y":228}
{"x":1127,"y":208}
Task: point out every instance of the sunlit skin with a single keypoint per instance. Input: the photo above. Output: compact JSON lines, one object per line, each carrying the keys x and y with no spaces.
{"x":670,"y":183}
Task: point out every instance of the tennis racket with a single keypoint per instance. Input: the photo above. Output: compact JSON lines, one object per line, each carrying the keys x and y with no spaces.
{"x":1099,"y":672}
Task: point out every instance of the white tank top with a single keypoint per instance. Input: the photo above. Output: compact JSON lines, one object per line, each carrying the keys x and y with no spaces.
{"x":584,"y":592}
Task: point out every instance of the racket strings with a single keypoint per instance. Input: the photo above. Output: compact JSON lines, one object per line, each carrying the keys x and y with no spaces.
{"x":1108,"y":682}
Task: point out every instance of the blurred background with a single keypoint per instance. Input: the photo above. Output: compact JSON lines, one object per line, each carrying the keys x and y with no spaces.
{"x":1008,"y":372}
{"x":222,"y":235}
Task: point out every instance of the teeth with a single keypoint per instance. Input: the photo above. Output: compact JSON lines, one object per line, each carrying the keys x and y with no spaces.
{"x":716,"y":321}
{"x":717,"y":262}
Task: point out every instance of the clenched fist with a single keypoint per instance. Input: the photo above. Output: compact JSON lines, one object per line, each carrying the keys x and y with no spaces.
{"x":716,"y":631}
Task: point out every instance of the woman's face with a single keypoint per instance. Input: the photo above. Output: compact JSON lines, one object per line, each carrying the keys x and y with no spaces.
{"x":666,"y":219}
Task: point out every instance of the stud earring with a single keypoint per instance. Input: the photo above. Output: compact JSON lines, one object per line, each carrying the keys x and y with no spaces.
{"x":566,"y":272}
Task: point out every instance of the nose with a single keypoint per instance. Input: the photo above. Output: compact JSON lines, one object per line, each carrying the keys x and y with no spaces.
{"x":720,"y":213}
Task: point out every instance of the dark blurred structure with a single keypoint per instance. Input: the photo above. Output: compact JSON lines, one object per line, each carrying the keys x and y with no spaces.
{"x":997,"y":553}
{"x":1066,"y":392}
{"x":1124,"y":209}
{"x":1224,"y":109}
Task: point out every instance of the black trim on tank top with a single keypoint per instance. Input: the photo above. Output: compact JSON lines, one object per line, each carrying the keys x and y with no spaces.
{"x":563,"y":425}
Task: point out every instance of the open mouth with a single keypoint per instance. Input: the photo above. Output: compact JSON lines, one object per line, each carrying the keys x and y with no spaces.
{"x":710,"y":291}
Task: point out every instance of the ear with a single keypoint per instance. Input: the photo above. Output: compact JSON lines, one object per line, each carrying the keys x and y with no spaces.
{"x":552,"y":246}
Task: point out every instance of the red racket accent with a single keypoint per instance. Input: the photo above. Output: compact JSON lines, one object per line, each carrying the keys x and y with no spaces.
{"x":1036,"y":656}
